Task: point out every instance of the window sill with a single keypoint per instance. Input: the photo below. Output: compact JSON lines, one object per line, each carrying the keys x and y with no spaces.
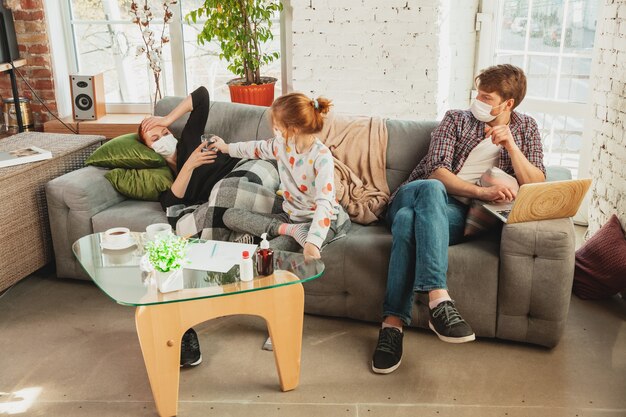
{"x":111,"y":126}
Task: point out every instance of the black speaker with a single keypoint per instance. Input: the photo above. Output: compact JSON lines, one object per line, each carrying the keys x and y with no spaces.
{"x":8,"y":41}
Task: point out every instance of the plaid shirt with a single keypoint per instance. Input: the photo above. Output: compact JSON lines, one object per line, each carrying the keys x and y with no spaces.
{"x":458,"y":134}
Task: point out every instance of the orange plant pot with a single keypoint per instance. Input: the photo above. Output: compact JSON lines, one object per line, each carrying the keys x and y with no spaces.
{"x":257,"y":94}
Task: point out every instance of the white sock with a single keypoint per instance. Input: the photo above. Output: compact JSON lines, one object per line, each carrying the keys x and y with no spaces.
{"x":385,"y":325}
{"x":435,"y":303}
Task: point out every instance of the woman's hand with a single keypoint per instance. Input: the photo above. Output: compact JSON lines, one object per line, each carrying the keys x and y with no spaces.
{"x":154,"y":121}
{"x":219,"y":144}
{"x":198,"y":158}
{"x":310,"y":250}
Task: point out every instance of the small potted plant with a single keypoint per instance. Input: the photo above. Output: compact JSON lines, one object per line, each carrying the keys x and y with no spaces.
{"x":242,"y":27}
{"x":166,"y":255}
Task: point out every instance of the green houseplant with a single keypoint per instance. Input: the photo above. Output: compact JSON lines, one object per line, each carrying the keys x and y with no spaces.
{"x":242,"y":27}
{"x":166,"y":255}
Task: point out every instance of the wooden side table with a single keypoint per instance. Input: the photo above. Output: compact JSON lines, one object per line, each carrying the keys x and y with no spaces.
{"x":160,"y":329}
{"x":109,"y":126}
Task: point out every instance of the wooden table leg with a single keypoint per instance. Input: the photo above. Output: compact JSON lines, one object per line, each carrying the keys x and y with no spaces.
{"x":285,"y":327}
{"x":160,"y":336}
{"x":160,"y":328}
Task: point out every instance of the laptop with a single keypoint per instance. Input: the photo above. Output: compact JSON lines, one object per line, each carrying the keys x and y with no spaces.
{"x":543,"y":201}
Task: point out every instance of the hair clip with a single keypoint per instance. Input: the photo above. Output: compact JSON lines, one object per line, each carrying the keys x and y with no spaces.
{"x":316,"y":104}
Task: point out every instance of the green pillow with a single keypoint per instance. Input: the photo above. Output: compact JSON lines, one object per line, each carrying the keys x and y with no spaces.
{"x":125,"y":151}
{"x":141,"y":184}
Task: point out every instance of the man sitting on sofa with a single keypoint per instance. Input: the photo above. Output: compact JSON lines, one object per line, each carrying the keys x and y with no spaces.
{"x":425,"y":217}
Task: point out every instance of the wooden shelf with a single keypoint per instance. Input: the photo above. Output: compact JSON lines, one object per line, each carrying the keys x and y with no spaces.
{"x":17,"y":64}
{"x":54,"y":126}
{"x":110,"y":126}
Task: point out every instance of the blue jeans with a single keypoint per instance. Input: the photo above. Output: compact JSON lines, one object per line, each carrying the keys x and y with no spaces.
{"x":424,"y":220}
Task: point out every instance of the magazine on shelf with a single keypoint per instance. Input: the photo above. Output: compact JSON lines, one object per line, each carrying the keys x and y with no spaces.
{"x":23,"y":156}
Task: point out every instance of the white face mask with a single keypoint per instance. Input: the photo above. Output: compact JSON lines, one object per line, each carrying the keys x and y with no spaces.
{"x":278,"y":134}
{"x":166,"y":146}
{"x":482,"y":111}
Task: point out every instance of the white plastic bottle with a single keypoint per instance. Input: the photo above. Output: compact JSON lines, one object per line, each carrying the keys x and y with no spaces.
{"x":246,"y":271}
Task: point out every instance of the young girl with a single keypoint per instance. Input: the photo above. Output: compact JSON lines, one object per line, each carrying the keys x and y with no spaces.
{"x":311,"y":214}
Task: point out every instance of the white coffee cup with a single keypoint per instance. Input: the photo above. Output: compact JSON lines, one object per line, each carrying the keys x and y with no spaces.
{"x":158,"y":230}
{"x":117,"y":236}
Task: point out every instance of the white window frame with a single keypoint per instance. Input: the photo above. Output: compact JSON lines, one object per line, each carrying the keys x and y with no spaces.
{"x":487,"y":24}
{"x":62,"y":37}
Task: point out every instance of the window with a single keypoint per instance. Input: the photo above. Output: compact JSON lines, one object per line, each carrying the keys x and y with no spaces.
{"x":102,"y":38}
{"x":552,"y":40}
{"x":202,"y":63}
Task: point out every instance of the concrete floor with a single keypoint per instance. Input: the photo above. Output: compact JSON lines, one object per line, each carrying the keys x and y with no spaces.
{"x":67,"y":350}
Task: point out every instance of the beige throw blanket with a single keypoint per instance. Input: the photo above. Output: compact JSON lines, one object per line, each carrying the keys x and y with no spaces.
{"x":359,"y":146}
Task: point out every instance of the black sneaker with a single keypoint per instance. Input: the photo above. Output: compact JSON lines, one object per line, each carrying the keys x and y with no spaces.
{"x":190,"y":349}
{"x":446,"y":321}
{"x":388,"y":353}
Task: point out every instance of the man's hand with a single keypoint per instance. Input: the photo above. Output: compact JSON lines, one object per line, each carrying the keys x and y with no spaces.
{"x":154,"y":121}
{"x":501,"y":136}
{"x":496,"y":194}
{"x":198,"y":158}
{"x":310,"y":250}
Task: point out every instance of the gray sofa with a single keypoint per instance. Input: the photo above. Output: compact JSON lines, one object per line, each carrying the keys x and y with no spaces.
{"x":514,"y":284}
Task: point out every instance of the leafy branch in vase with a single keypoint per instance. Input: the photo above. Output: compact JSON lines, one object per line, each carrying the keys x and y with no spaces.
{"x":153,"y":49}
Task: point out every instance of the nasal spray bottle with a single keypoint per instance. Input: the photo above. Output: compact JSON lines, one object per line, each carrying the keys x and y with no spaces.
{"x":264,"y":258}
{"x":246,"y":273}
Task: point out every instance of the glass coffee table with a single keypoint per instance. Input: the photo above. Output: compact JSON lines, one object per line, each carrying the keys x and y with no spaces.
{"x":161,"y":319}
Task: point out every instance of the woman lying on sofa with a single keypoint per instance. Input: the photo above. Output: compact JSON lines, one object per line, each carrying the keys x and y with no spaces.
{"x":196,"y":169}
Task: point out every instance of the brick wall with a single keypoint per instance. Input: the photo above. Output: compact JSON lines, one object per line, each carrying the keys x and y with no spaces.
{"x":457,"y":47}
{"x":30,"y":27}
{"x":608,"y":168}
{"x":384,"y":57}
{"x":409,"y":59}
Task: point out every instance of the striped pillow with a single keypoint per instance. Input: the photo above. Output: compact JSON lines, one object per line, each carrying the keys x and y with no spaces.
{"x":478,"y":218}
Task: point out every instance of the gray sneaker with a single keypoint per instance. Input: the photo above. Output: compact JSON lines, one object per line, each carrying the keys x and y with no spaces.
{"x":388,"y":353}
{"x":448,"y":324}
{"x":190,"y":350}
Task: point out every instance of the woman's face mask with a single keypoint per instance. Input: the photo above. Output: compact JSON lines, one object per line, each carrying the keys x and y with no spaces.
{"x":166,"y":146}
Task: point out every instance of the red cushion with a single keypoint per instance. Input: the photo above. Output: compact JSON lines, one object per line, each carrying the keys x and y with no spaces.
{"x":601,"y":263}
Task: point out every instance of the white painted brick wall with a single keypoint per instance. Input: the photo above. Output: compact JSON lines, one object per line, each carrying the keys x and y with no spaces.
{"x":457,"y":44}
{"x":608,"y":76}
{"x":385,"y":57}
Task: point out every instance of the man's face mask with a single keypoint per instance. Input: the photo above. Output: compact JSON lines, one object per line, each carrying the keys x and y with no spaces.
{"x":482,"y":110}
{"x":166,"y":146}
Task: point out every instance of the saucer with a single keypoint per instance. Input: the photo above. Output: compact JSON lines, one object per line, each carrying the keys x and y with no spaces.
{"x":111,"y":246}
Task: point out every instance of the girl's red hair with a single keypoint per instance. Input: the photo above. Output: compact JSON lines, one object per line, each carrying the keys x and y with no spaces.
{"x":296,"y":111}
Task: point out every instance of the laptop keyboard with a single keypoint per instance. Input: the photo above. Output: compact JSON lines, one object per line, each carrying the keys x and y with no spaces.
{"x":504,"y":213}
